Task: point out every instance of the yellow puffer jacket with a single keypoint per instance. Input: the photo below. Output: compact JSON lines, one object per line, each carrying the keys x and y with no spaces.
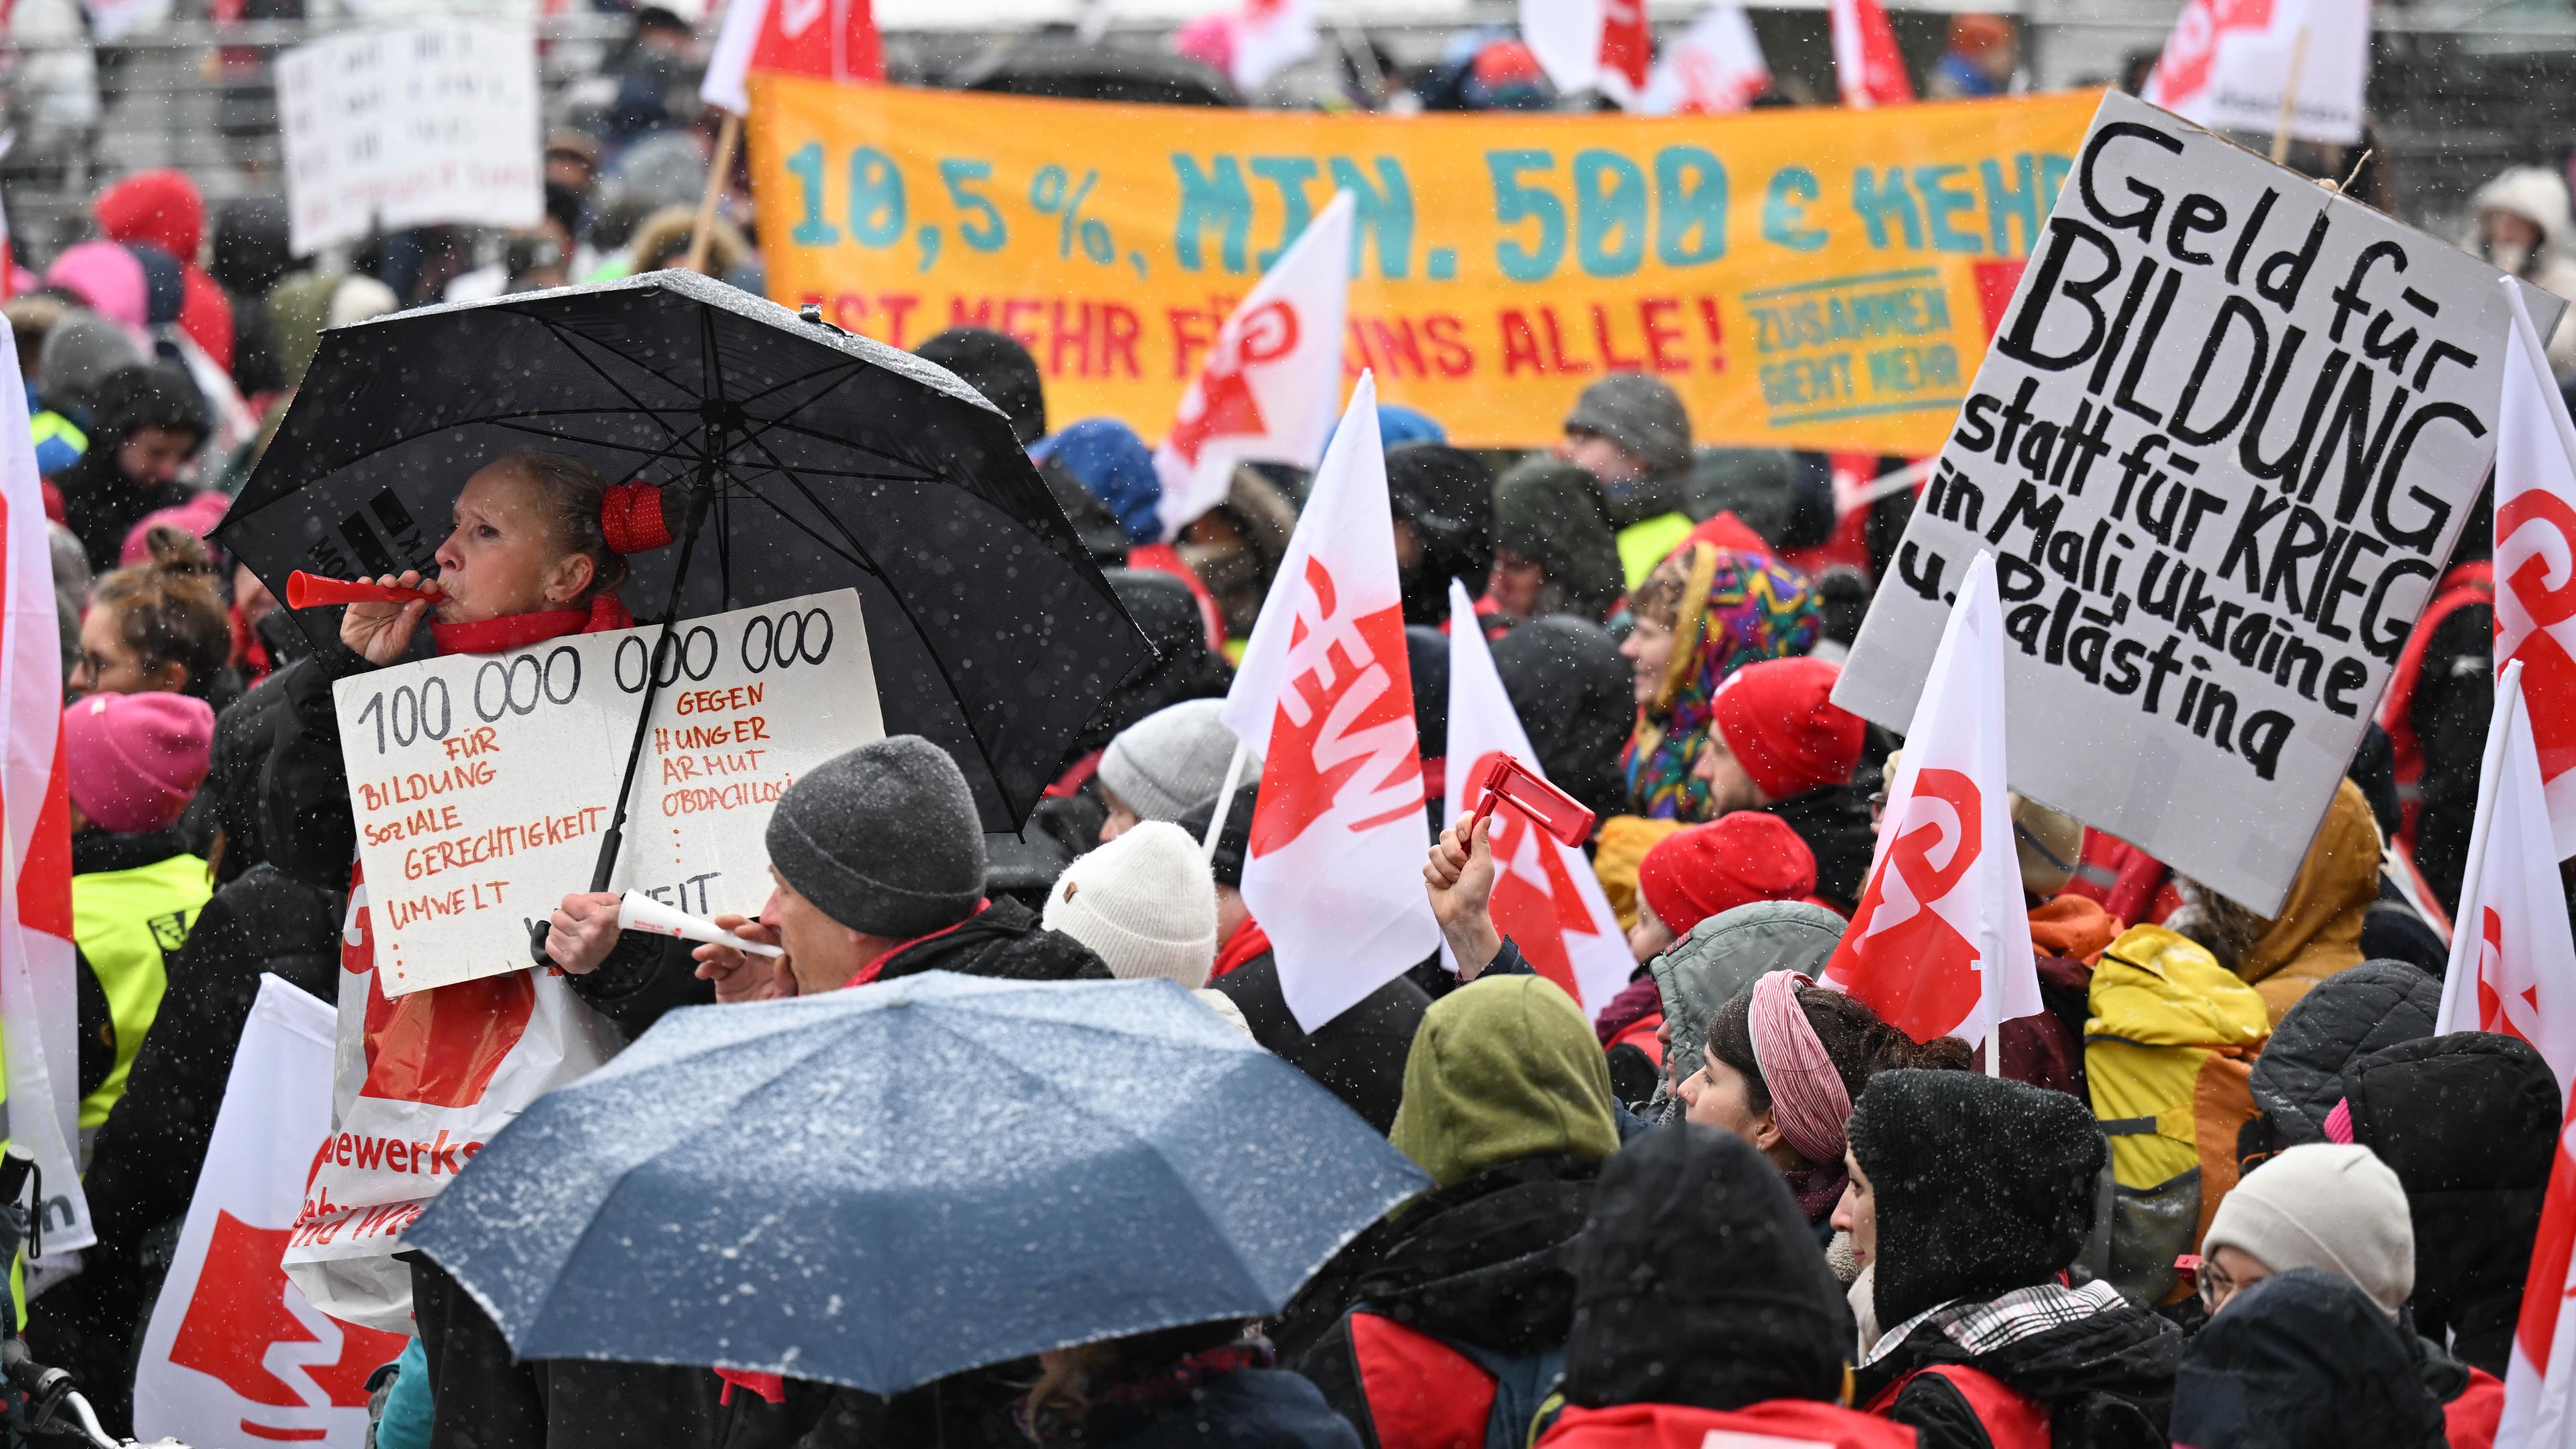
{"x":2167,"y":1050}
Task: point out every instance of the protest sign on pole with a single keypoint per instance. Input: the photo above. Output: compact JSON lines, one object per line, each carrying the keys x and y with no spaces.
{"x":2225,"y":438}
{"x":425,"y":123}
{"x":233,"y":1353}
{"x":481,"y":783}
{"x":2227,"y":64}
{"x":1273,"y":381}
{"x":1810,"y":278}
{"x":2535,"y":562}
{"x":1546,"y":898}
{"x":39,"y":988}
{"x":1333,"y":870}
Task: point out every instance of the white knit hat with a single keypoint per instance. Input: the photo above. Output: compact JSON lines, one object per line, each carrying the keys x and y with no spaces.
{"x":2325,"y":1205}
{"x":1172,"y":760}
{"x":1145,"y":902}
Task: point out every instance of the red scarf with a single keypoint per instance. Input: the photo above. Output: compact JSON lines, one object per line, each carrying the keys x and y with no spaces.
{"x":515,"y":631}
{"x":1248,"y":941}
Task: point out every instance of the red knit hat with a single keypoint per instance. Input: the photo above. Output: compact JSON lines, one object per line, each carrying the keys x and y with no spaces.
{"x":134,"y":760}
{"x":1779,"y":719}
{"x":1733,"y":860}
{"x":160,"y":207}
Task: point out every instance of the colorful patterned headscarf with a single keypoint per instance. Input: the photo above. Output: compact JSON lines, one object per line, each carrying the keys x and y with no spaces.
{"x":1736,"y":609}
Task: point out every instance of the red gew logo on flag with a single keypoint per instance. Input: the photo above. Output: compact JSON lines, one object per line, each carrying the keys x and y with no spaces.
{"x":1344,"y":720}
{"x":1223,"y":404}
{"x":1898,"y":920}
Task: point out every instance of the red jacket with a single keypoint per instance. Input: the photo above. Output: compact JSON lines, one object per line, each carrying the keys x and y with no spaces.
{"x":1788,"y":1423}
{"x":2469,"y":1421}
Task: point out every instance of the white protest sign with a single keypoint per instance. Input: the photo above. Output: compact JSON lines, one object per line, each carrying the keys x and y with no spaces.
{"x":416,"y":125}
{"x":2220,"y":447}
{"x":483,"y":782}
{"x":2226,"y":65}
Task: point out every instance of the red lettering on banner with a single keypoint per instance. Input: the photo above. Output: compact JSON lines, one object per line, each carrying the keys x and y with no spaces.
{"x":1342,"y":722}
{"x":1709,"y":319}
{"x":1449,"y":351}
{"x":1119,"y":329}
{"x":1520,"y":343}
{"x":1611,"y":359}
{"x":1938,"y":980}
{"x":1557,"y":361}
{"x":2548,"y":674}
{"x":1653,"y":312}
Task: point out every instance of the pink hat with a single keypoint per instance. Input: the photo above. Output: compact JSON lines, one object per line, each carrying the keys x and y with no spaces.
{"x":135,"y":759}
{"x":197,"y":516}
{"x":108,"y":277}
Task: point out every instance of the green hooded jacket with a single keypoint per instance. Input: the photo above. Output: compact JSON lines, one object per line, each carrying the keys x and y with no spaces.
{"x":1502,"y":1069}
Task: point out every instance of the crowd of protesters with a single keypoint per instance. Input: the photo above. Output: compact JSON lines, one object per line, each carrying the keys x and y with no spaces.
{"x":1731,"y":1201}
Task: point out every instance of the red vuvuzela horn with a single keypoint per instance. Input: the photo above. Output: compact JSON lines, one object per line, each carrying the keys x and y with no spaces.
{"x":312,"y":591}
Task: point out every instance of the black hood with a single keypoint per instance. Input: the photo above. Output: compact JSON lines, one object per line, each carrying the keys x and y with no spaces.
{"x":1697,"y":1282}
{"x":1982,"y":1185}
{"x":2469,"y":1123}
{"x":1834,"y":821}
{"x":2109,"y":1369}
{"x":1184,"y":667}
{"x":1575,"y":696}
{"x":1002,"y":940}
{"x":1446,"y":496}
{"x":2303,"y":1360}
{"x":2299,"y":1077}
{"x":1484,"y":1261}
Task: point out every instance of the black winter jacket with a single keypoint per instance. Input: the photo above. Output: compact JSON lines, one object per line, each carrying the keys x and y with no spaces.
{"x":1834,"y":821}
{"x":1358,"y":1056}
{"x":2106,"y":1380}
{"x":2469,"y":1123}
{"x":2299,"y":1077}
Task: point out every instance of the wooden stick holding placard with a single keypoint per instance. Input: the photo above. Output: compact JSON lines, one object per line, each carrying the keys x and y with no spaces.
{"x":2289,"y":97}
{"x":728,"y":139}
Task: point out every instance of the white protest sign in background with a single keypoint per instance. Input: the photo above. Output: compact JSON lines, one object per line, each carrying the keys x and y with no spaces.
{"x":482,"y":783}
{"x":233,"y":1353}
{"x":2220,"y":447}
{"x":416,"y":125}
{"x":2226,"y":65}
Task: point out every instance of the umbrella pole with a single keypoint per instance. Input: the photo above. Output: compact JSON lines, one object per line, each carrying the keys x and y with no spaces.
{"x":615,"y":839}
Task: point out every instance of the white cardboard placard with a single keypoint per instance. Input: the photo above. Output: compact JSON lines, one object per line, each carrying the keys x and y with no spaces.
{"x":482,"y":783}
{"x":430,"y":122}
{"x":2221,"y":447}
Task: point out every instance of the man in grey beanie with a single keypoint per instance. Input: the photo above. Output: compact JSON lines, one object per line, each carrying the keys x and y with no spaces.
{"x":1167,"y":764}
{"x":1632,"y":434}
{"x":877,"y":863}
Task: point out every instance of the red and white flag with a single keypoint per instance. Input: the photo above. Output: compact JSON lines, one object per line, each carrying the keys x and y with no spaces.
{"x":2540,"y":1378}
{"x":1267,"y":392}
{"x":1592,"y":45}
{"x":1940,"y":945}
{"x":39,"y":1004}
{"x":1867,"y":64}
{"x":1715,"y":68}
{"x":2226,"y":62}
{"x":2513,"y":958}
{"x":830,"y":39}
{"x":2535,"y":561}
{"x":1324,"y":697}
{"x":1546,"y":897}
{"x":234,"y":1353}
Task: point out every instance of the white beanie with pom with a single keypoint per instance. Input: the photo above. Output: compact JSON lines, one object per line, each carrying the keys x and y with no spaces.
{"x":1144,"y":902}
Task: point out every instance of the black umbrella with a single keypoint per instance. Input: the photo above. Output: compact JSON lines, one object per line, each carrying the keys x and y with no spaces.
{"x":815,"y":460}
{"x":1071,"y":69}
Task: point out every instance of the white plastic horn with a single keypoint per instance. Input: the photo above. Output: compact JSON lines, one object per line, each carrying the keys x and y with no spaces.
{"x":637,"y":911}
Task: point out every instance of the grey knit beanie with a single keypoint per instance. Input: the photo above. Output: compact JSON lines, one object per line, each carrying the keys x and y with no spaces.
{"x":883,"y":839}
{"x":1172,"y":760}
{"x":1641,"y":414}
{"x":2326,"y":1205}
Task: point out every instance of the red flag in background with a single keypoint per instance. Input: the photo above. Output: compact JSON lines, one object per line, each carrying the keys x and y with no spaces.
{"x":833,"y":39}
{"x":1867,"y":63}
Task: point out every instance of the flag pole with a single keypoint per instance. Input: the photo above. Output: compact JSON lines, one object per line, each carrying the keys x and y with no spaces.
{"x":2289,"y":97}
{"x":719,"y":171}
{"x":1224,"y":800}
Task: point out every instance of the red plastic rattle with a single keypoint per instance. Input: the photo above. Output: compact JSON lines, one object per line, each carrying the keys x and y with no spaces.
{"x":1556,"y":812}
